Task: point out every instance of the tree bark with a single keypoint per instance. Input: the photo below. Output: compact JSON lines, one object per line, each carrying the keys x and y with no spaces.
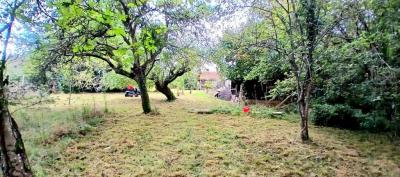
{"x":13,"y":157}
{"x":144,"y":94}
{"x":304,"y":99}
{"x":164,"y":89}
{"x":14,"y":161}
{"x":304,"y":112}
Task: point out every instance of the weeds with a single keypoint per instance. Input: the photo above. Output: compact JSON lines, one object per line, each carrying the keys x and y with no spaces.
{"x":230,"y":110}
{"x":47,"y":129}
{"x":106,"y":110}
{"x":256,"y":112}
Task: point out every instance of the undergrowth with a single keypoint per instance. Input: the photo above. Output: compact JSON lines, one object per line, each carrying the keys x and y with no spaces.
{"x":256,"y":112}
{"x":48,"y":130}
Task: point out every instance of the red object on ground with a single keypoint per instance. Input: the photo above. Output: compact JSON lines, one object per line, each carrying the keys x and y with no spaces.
{"x":246,"y":109}
{"x":130,"y":87}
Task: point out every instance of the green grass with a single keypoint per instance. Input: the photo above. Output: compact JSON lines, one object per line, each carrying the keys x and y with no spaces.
{"x":49,"y":128}
{"x":179,"y":143}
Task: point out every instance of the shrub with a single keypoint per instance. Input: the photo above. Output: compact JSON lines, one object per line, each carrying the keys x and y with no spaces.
{"x":66,"y":88}
{"x":343,"y":116}
{"x":374,"y":122}
{"x":338,"y":115}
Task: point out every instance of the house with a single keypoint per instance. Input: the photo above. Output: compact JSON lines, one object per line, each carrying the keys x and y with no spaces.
{"x":208,"y":80}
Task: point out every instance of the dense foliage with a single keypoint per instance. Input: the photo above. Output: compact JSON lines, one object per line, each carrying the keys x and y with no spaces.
{"x":356,"y":71}
{"x":358,"y":82}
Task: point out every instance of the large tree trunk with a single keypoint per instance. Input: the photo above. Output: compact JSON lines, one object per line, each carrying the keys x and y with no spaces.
{"x":164,"y":89}
{"x":144,"y":94}
{"x":14,"y":161}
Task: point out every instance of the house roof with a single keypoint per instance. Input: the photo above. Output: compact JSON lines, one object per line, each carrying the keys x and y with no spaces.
{"x":209,"y":76}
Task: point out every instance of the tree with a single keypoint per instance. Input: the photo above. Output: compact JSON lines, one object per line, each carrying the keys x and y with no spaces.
{"x":127,"y":35}
{"x":181,"y":53}
{"x":173,"y":63}
{"x":124,"y":35}
{"x":14,"y":161}
{"x":295,"y":30}
{"x":289,"y":31}
{"x":342,"y":54}
{"x":190,"y":81}
{"x":243,"y":56}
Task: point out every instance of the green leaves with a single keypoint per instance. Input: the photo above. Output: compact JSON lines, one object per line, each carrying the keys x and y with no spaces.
{"x":76,"y":49}
{"x":131,"y":5}
{"x":111,"y":80}
{"x":120,"y":52}
{"x":89,"y":45}
{"x":152,"y":38}
{"x":117,"y":31}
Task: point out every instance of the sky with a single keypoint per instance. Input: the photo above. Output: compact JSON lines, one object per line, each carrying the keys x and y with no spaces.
{"x":231,"y":22}
{"x":215,"y":30}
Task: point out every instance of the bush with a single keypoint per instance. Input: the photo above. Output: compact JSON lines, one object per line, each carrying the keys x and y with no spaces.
{"x":343,"y":116}
{"x":66,"y":88}
{"x":374,"y":122}
{"x":338,"y":115}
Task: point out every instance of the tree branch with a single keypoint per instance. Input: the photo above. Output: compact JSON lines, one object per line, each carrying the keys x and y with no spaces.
{"x":118,"y":69}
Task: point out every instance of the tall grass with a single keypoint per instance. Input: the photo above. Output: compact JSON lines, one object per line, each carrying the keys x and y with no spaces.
{"x":49,"y":128}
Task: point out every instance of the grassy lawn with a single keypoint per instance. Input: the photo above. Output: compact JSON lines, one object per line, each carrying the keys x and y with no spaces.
{"x":81,"y":140}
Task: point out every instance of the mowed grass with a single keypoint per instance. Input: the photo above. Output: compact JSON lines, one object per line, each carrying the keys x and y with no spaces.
{"x":178,"y":143}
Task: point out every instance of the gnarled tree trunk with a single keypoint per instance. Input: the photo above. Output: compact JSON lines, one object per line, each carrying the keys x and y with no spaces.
{"x":162,"y":83}
{"x":164,"y":89}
